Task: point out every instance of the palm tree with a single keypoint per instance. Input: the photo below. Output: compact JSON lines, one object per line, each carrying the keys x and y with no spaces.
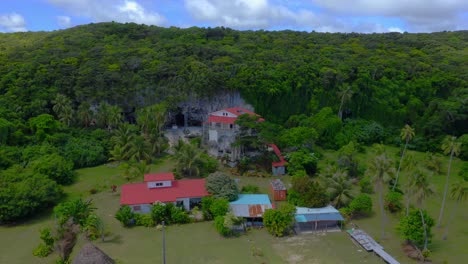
{"x":187,"y":158}
{"x":139,"y":149}
{"x":422,"y":190}
{"x":345,"y":94}
{"x":115,"y":117}
{"x":67,"y":115}
{"x":60,"y":102}
{"x":407,"y":133}
{"x":340,"y":187}
{"x":458,"y":192}
{"x":449,"y":145}
{"x":122,"y":141}
{"x":85,"y":114}
{"x":381,"y":170}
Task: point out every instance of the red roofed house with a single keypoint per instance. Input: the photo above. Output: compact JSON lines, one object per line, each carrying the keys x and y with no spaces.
{"x":162,"y":187}
{"x":220,"y":131}
{"x":278,"y":167}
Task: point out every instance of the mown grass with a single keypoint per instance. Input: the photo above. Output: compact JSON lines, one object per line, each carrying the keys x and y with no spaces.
{"x":452,"y":250}
{"x":199,"y":242}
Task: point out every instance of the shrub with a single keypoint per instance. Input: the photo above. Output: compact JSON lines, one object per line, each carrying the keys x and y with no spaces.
{"x":208,"y":164}
{"x":393,"y":201}
{"x":94,"y":227}
{"x":162,"y":212}
{"x":206,"y":204}
{"x":464,"y":171}
{"x":219,"y":207}
{"x":42,"y":251}
{"x":219,"y":225}
{"x":125,"y":215}
{"x":278,"y":222}
{"x":346,"y":213}
{"x":361,"y":205}
{"x":220,"y":185}
{"x":145,"y":220}
{"x":412,"y":229}
{"x":179,"y":216}
{"x":250,"y":189}
{"x":366,"y":185}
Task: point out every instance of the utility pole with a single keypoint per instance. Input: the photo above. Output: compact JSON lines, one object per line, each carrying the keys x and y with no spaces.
{"x":163,"y":243}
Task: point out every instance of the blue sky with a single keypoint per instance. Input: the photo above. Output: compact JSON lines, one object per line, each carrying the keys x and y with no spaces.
{"x":365,"y":16}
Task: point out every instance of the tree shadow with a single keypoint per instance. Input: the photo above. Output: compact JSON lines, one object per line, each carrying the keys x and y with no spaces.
{"x":115,"y":239}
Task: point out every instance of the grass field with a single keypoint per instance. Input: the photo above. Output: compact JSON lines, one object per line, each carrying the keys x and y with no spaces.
{"x":199,"y":242}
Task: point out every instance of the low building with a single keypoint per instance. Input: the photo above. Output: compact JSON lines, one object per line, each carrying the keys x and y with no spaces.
{"x":251,"y":207}
{"x":314,"y":219}
{"x":278,"y":190}
{"x":162,"y":187}
{"x":278,"y":167}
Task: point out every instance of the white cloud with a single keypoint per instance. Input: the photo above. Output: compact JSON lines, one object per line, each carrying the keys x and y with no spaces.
{"x":64,"y":21}
{"x":12,"y":22}
{"x":418,"y":15}
{"x":395,"y":29}
{"x":111,"y":10}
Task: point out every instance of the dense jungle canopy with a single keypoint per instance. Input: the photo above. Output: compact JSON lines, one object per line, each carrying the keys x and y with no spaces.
{"x":419,"y":79}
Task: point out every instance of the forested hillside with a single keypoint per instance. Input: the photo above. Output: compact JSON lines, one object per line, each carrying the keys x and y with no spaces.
{"x":395,"y":78}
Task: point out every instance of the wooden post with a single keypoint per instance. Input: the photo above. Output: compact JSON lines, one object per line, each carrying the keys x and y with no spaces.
{"x":164,"y":243}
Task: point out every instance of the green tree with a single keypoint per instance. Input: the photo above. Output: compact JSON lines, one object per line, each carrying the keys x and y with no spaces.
{"x":451,"y":146}
{"x":85,"y":114}
{"x":307,"y":193}
{"x":345,"y":94}
{"x":380,"y":169}
{"x":75,"y":210}
{"x":279,"y":222}
{"x":220,"y":185}
{"x":55,"y":167}
{"x":219,"y":207}
{"x":125,"y":215}
{"x":458,"y":192}
{"x":340,"y":188}
{"x":407,"y":133}
{"x":422,"y":190}
{"x":43,"y":125}
{"x":187,"y":157}
{"x":361,"y":205}
{"x":412,"y":227}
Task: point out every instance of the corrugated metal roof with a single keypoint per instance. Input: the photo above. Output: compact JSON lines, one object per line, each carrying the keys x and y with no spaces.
{"x":252,"y":199}
{"x":328,"y":213}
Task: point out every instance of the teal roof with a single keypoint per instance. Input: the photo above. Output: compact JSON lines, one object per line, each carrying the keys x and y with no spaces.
{"x":252,"y":199}
{"x":329,"y":213}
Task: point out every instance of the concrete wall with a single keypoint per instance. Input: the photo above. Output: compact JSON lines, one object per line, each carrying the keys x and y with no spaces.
{"x":278,"y":170}
{"x":141,"y":208}
{"x":153,"y":184}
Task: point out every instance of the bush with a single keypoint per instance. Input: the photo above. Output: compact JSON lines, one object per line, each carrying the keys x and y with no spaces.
{"x":162,"y":212}
{"x":55,"y":167}
{"x":220,"y":185}
{"x":145,"y":220}
{"x":125,"y":215}
{"x":219,"y":225}
{"x":393,"y":201}
{"x":250,"y":189}
{"x":278,"y":222}
{"x":361,"y":205}
{"x":42,"y":251}
{"x":179,"y":216}
{"x":94,"y":227}
{"x":219,"y":207}
{"x":464,"y":171}
{"x":366,"y":185}
{"x":412,"y":229}
{"x":208,"y":164}
{"x":206,"y":204}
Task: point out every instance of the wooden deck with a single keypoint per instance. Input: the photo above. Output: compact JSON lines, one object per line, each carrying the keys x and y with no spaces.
{"x":369,"y":244}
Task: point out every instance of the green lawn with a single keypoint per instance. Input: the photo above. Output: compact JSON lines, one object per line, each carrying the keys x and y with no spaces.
{"x":199,"y":242}
{"x":452,"y":250}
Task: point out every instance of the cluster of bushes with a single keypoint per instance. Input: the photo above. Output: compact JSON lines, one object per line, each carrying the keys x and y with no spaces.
{"x":227,"y":224}
{"x":358,"y":207}
{"x":279,"y":222}
{"x":393,"y":201}
{"x":160,"y":212}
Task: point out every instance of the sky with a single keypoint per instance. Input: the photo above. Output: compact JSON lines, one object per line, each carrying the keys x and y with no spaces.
{"x":364,"y":16}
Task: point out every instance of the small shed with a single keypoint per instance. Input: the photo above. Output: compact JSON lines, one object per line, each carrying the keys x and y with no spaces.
{"x":251,"y":207}
{"x":314,"y":219}
{"x":278,"y":190}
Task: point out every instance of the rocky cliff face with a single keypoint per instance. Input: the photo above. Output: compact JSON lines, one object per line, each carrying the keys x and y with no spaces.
{"x":194,"y":112}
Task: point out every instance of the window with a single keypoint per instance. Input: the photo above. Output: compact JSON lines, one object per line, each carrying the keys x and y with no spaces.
{"x":230,"y":126}
{"x":136,"y":208}
{"x":159,"y":184}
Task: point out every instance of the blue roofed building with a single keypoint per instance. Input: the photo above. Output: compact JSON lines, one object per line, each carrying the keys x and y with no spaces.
{"x":251,"y":207}
{"x":315,"y":219}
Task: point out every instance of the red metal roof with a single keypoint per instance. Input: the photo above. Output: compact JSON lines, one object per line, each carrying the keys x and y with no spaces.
{"x":277,"y":151}
{"x":239,"y":111}
{"x":165,"y":176}
{"x":139,"y":193}
{"x":221,"y":119}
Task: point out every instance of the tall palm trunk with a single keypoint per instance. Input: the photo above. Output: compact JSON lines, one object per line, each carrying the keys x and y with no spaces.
{"x":399,"y":164}
{"x":452,"y":214}
{"x":340,"y":113}
{"x":439,"y":222}
{"x":424,"y":227}
{"x":381,"y":203}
